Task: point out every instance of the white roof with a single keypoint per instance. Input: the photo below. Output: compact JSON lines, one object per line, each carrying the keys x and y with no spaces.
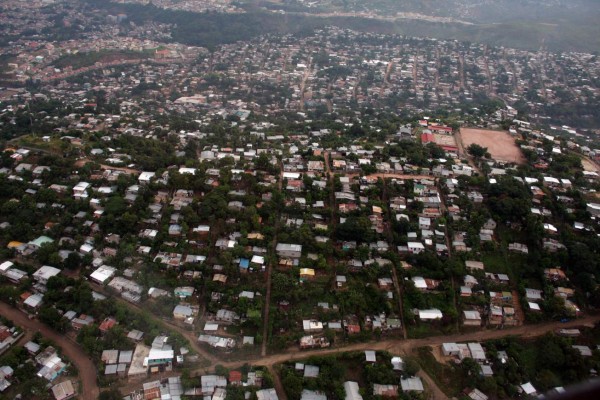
{"x":267,"y":394}
{"x":433,"y":313}
{"x":183,"y":310}
{"x":412,"y":384}
{"x":288,"y":247}
{"x":211,"y":327}
{"x":528,"y":388}
{"x":477,"y":352}
{"x":534,"y":306}
{"x":160,"y":354}
{"x":352,"y":392}
{"x":472,"y":314}
{"x":184,"y":170}
{"x":81,"y":186}
{"x":419,"y":282}
{"x":551,"y":179}
{"x":397,"y":363}
{"x":103,"y":273}
{"x":33,"y":301}
{"x":46,"y":272}
{"x":86,"y":247}
{"x":311,"y":324}
{"x":146,"y":176}
{"x":258,"y":260}
{"x":370,"y":356}
{"x":6,"y":265}
{"x":312,"y":395}
{"x":450,"y":347}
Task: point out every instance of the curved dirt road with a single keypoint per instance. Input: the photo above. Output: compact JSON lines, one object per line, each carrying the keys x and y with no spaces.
{"x":85,"y":367}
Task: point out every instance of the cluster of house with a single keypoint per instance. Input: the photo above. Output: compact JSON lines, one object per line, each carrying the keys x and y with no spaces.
{"x":212,"y":387}
{"x":278,"y":73}
{"x":48,"y":362}
{"x":475,"y":351}
{"x":49,"y":366}
{"x":563,"y":288}
{"x":8,"y":337}
{"x":353,"y":390}
{"x":353,"y":194}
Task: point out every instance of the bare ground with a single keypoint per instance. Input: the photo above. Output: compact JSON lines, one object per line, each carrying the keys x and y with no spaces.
{"x":500,"y":144}
{"x":589,"y":165}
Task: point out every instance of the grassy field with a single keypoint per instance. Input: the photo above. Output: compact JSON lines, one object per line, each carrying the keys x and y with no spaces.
{"x":55,"y":145}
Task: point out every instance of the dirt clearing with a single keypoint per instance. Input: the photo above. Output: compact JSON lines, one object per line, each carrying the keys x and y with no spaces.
{"x":500,"y":144}
{"x":589,"y":165}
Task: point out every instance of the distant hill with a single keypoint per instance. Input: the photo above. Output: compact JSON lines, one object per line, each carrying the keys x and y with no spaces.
{"x":478,"y":11}
{"x":557,"y":25}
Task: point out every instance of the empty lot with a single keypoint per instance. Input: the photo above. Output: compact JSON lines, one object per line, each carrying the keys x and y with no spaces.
{"x":500,"y":144}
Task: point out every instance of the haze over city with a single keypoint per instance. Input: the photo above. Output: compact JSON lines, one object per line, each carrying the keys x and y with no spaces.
{"x":299,"y":200}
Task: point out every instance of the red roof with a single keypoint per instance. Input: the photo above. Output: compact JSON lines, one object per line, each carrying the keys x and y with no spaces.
{"x":107,"y":324}
{"x":449,"y":148}
{"x":427,"y":138}
{"x":4,"y":334}
{"x":235,"y":376}
{"x":440,"y":128}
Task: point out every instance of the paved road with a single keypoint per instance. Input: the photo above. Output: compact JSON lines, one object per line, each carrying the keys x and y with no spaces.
{"x":84,"y":365}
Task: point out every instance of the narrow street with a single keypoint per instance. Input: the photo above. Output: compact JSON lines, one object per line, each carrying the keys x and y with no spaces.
{"x":415,"y":72}
{"x":303,"y":83}
{"x":386,"y":77}
{"x":461,"y":74}
{"x":267,"y":309}
{"x":390,"y":238}
{"x":448,"y":243}
{"x":488,"y":73}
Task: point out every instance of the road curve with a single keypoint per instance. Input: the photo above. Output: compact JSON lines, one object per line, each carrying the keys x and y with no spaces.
{"x":84,"y":365}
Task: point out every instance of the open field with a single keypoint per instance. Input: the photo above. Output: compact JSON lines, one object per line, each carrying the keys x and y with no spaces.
{"x":500,"y":144}
{"x":589,"y":165}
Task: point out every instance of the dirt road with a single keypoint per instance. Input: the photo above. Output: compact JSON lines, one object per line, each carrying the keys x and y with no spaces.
{"x":85,"y":367}
{"x":406,"y":347}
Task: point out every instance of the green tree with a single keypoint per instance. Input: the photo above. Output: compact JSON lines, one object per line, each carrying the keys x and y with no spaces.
{"x":110,"y":394}
{"x":478,"y":151}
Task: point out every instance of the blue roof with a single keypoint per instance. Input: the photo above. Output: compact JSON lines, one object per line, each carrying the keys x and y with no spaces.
{"x":244,"y":263}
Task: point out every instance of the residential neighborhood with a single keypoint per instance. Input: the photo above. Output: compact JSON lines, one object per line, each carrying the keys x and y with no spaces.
{"x":291,"y":216}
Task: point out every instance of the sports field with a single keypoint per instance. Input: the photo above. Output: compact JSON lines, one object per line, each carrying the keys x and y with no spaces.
{"x":500,"y":144}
